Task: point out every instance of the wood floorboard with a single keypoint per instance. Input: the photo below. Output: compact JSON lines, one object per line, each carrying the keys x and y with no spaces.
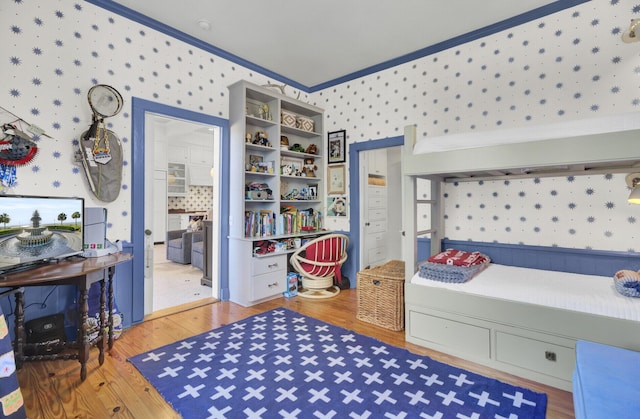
{"x":52,"y":389}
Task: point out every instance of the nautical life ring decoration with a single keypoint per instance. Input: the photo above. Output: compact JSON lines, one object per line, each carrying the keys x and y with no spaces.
{"x":16,"y":149}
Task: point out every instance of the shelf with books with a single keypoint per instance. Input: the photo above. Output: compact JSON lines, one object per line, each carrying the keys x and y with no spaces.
{"x":273,"y":139}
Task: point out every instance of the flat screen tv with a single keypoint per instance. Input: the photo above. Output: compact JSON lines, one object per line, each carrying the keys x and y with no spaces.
{"x":38,"y":229}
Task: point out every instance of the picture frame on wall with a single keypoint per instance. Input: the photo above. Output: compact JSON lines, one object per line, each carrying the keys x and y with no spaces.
{"x":337,"y":206}
{"x":336,"y":141}
{"x":335,"y":176}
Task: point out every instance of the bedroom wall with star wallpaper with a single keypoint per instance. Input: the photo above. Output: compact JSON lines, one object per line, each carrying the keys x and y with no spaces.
{"x":567,"y":66}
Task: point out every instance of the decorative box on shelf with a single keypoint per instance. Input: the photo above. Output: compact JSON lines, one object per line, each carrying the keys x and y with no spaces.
{"x":304,"y":123}
{"x":288,"y":118}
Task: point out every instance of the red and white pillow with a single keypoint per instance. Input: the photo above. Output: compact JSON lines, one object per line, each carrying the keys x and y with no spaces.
{"x":459,"y":258}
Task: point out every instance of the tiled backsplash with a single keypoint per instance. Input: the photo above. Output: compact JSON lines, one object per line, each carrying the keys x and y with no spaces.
{"x":199,"y":198}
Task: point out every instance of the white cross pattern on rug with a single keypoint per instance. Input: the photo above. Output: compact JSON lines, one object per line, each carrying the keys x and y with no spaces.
{"x":281,"y":364}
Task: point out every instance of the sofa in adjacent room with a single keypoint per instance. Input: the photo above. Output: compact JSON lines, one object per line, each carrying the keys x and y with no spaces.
{"x":179,"y":246}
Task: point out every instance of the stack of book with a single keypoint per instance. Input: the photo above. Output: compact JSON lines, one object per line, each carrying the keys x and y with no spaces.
{"x":265,"y":223}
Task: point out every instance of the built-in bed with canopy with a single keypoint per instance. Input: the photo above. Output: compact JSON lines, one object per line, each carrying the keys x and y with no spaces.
{"x":526,"y":311}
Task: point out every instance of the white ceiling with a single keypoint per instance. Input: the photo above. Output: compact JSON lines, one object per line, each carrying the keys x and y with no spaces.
{"x":312,"y":43}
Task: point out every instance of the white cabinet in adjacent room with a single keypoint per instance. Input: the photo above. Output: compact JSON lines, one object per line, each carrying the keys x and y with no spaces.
{"x":177,"y":153}
{"x":201,"y":155}
{"x":200,"y":175}
{"x":177,"y":179}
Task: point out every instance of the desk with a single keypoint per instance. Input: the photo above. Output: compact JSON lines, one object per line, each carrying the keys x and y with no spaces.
{"x":76,"y":271}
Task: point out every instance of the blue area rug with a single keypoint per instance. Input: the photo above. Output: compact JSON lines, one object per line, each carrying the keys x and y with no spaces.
{"x":281,"y":364}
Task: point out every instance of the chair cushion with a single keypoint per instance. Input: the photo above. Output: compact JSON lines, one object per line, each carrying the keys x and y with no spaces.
{"x":324,"y":251}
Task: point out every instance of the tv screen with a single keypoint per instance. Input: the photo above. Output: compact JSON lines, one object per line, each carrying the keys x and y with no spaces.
{"x":37,"y":229}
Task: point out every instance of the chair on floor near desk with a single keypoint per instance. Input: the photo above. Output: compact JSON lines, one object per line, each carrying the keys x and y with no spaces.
{"x":197,"y":250}
{"x":179,"y":246}
{"x":319,"y":262}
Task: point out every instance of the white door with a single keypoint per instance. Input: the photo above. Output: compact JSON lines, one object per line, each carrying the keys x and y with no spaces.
{"x":374,"y":208}
{"x":380,"y":206}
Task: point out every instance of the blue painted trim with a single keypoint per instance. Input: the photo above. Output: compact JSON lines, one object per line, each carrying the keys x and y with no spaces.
{"x":181,"y":36}
{"x":454,"y":42}
{"x":354,"y":186}
{"x":139,"y":108}
{"x":433,"y":49}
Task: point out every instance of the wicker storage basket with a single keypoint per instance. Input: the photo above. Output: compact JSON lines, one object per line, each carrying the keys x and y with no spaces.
{"x":381,"y":295}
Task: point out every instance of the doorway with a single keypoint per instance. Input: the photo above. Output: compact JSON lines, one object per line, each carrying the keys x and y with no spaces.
{"x":142,"y":206}
{"x":356,"y":151}
{"x":182,"y":199}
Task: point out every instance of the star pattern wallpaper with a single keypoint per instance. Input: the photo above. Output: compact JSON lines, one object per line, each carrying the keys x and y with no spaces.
{"x":570,"y":65}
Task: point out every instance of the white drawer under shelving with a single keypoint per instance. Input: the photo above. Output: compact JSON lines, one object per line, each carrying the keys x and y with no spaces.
{"x":267,"y":285}
{"x":268,"y":264}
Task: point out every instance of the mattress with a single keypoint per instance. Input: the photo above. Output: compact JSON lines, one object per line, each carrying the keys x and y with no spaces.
{"x":583,"y":293}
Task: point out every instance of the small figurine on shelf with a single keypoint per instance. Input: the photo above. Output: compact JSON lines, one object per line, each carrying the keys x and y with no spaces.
{"x":284,"y":142}
{"x":248,"y":137}
{"x":297,"y":148}
{"x":312,"y":149}
{"x":309,"y":168}
{"x":263,"y":112}
{"x":262,"y":138}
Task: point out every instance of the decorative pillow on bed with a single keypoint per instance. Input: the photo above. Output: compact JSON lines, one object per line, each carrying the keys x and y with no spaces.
{"x":459,"y":258}
{"x":627,"y":283}
{"x":449,"y":273}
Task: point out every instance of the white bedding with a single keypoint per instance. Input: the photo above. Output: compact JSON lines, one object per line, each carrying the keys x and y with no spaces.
{"x":583,"y":293}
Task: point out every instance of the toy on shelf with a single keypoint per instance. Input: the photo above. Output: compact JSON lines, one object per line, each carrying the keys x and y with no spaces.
{"x":312,"y":149}
{"x":261,"y":138}
{"x":297,"y":148}
{"x":284,"y":142}
{"x":309,"y":168}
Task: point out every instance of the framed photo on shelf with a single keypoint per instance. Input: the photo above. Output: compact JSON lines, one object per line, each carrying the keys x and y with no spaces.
{"x":336,"y":146}
{"x":254,"y":159}
{"x":313,"y":191}
{"x":291,"y":166}
{"x":335,"y":174}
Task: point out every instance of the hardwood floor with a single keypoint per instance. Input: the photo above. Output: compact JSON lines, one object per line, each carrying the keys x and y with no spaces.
{"x":53,"y":389}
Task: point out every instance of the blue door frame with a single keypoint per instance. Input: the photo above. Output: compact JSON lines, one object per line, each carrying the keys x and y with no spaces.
{"x":139,"y":108}
{"x":354,"y":190}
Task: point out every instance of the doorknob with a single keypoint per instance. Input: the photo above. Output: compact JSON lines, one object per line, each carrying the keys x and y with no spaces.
{"x":148,"y":232}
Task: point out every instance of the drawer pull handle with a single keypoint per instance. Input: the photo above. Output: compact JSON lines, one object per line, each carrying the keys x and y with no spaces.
{"x":273,"y":265}
{"x":275,"y":284}
{"x":550,"y":356}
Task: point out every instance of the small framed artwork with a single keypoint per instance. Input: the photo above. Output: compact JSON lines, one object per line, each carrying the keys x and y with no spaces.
{"x":254,"y":159}
{"x":290,"y":166}
{"x":335,"y":174}
{"x":337,"y":206}
{"x":313,"y":192}
{"x":336,"y":146}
